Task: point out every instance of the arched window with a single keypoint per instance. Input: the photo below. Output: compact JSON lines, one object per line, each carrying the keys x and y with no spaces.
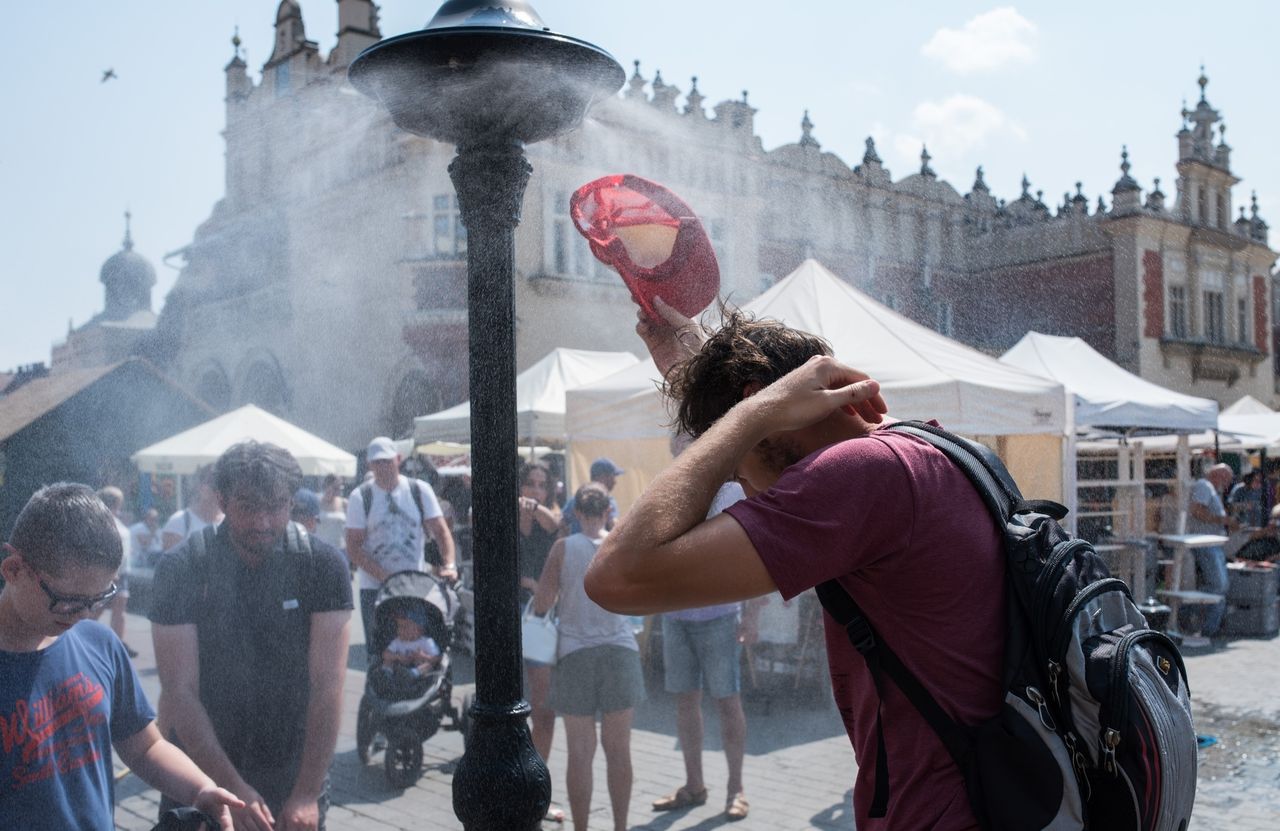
{"x":263,"y":385}
{"x":213,"y":388}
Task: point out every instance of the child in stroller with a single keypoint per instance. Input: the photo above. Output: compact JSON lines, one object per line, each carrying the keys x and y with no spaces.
{"x":409,"y":685}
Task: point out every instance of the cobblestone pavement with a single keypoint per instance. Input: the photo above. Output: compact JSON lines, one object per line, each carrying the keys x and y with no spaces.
{"x":799,"y":767}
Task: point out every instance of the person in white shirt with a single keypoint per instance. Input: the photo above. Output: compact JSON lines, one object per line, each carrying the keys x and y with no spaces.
{"x":145,"y":542}
{"x":205,"y":510}
{"x":387,"y":523}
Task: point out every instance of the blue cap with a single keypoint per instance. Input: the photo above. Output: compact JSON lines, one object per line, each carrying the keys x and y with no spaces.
{"x":605,"y":467}
{"x":306,"y":503}
{"x":416,"y":614}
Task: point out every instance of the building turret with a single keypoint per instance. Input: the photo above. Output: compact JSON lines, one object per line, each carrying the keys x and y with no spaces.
{"x":357,"y":30}
{"x":872,"y":169}
{"x":693,"y":102}
{"x":664,"y":94}
{"x":1204,"y":168}
{"x":925,"y":158}
{"x":238,"y":83}
{"x":1155,"y":199}
{"x":127,"y":277}
{"x":737,"y":115}
{"x":1126,"y":196}
{"x":806,"y":133}
{"x":1257,"y":225}
{"x":635,"y":87}
{"x":292,"y":54}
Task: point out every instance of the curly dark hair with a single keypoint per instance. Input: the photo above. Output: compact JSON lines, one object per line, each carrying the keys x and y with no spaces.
{"x":742,"y":351}
{"x":267,"y":472}
{"x":66,"y":525}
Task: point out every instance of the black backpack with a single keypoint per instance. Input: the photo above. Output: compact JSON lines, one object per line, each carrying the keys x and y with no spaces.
{"x":1095,"y":731}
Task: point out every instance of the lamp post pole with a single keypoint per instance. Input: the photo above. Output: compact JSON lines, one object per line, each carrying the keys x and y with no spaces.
{"x":501,"y":781}
{"x":490,"y":77}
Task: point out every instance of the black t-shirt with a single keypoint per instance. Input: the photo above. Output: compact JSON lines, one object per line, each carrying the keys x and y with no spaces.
{"x":254,"y":629}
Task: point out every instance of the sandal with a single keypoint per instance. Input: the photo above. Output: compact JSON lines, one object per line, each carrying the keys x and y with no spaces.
{"x":737,"y":807}
{"x":681,"y":798}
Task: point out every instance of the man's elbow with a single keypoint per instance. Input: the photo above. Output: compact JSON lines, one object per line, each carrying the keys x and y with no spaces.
{"x":605,"y":590}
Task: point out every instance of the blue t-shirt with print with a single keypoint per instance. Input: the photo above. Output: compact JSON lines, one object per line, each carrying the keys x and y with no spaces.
{"x":60,"y":710}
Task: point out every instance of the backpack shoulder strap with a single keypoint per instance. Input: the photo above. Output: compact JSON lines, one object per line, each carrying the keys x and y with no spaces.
{"x":297,"y":540}
{"x":199,"y":544}
{"x":416,"y":489}
{"x":366,"y":497}
{"x":882,"y":661}
{"x":984,"y":470}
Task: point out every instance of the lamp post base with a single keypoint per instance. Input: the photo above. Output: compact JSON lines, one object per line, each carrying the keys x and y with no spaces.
{"x":501,"y":784}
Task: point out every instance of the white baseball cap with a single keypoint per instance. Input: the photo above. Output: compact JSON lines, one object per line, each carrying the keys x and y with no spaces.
{"x":381,"y":448}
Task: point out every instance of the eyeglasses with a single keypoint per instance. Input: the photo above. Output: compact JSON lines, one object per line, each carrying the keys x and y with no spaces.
{"x":75,"y":604}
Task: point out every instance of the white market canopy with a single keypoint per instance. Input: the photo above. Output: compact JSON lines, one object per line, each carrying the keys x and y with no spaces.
{"x":188,"y":451}
{"x":540,"y":396}
{"x":1247,"y":405}
{"x":1106,"y":394}
{"x":923,"y":374}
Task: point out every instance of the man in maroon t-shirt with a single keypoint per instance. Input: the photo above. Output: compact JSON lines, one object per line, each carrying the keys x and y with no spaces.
{"x":831,"y":497}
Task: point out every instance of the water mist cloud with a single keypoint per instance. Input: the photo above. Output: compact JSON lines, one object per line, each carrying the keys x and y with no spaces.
{"x":989,"y":41}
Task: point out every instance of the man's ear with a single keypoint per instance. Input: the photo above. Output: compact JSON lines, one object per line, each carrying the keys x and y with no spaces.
{"x":751,"y":388}
{"x":9,"y":565}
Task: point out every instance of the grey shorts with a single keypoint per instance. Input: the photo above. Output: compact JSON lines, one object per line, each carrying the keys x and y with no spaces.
{"x":598,"y":679}
{"x":702,"y":651}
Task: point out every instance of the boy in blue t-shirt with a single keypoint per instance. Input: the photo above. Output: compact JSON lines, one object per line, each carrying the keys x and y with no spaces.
{"x":68,"y":693}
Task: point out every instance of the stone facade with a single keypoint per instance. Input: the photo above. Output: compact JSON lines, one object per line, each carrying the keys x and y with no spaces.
{"x":329,"y":282}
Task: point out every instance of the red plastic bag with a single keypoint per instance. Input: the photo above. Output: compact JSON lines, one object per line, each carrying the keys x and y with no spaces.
{"x":652,"y":238}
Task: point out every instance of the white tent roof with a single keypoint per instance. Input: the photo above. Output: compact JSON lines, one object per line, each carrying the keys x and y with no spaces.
{"x":1106,"y":394}
{"x":625,"y":405}
{"x":201,"y":445}
{"x":922,"y":373}
{"x":540,"y":396}
{"x":1247,"y":405}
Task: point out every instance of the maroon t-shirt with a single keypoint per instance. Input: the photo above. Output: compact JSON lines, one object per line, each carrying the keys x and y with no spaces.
{"x":911,"y":541}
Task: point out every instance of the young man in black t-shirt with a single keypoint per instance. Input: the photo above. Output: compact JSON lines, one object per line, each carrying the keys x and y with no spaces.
{"x":251,"y":624}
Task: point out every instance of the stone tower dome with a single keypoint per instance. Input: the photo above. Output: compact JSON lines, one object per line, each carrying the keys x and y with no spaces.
{"x":127,"y":277}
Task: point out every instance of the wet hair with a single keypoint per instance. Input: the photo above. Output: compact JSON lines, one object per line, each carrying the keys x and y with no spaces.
{"x":742,"y":351}
{"x":590,"y":500}
{"x":112,"y":497}
{"x":527,"y":469}
{"x":66,"y":525}
{"x":331,"y":479}
{"x":264,"y":472}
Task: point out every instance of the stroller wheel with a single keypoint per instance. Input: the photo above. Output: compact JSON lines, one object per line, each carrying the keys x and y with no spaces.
{"x":404,"y":762}
{"x":364,"y":730}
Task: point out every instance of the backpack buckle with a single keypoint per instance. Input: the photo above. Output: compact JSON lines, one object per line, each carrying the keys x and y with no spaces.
{"x":860,"y":635}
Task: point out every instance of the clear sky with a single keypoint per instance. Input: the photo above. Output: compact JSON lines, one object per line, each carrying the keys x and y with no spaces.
{"x":1051,"y":89}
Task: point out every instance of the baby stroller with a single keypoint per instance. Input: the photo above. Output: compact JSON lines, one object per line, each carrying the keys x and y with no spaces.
{"x":408,"y":716}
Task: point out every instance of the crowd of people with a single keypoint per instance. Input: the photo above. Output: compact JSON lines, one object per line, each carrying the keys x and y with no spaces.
{"x":782,"y":481}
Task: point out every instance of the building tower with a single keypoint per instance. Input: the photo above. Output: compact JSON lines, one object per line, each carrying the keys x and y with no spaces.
{"x":1204,"y":168}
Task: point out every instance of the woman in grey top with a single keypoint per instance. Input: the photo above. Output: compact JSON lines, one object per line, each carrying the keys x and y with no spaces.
{"x":597,"y":669}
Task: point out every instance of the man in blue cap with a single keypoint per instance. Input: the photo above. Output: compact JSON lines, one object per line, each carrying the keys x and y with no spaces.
{"x":605,"y":474}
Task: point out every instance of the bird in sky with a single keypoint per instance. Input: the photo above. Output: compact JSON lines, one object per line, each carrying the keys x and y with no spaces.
{"x":108,"y":74}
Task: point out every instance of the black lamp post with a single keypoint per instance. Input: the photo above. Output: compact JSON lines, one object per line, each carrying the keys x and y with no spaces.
{"x":491,"y":78}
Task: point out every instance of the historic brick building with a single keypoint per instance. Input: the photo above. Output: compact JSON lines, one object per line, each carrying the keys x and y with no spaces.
{"x":329,"y":282}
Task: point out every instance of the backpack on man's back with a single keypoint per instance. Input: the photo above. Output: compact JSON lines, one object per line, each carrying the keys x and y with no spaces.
{"x":1095,"y":731}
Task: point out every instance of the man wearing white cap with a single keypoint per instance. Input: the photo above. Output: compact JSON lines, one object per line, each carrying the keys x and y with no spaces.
{"x":387,"y":520}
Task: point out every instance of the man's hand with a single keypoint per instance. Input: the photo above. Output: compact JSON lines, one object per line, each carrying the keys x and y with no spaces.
{"x":811,"y":392}
{"x":299,"y":814}
{"x":254,"y":815}
{"x":217,"y":803}
{"x":448,"y":572}
{"x":673,"y":339}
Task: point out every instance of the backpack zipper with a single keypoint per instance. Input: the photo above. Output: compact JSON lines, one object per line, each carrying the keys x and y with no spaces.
{"x":1062,"y":636}
{"x":1116,"y":708}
